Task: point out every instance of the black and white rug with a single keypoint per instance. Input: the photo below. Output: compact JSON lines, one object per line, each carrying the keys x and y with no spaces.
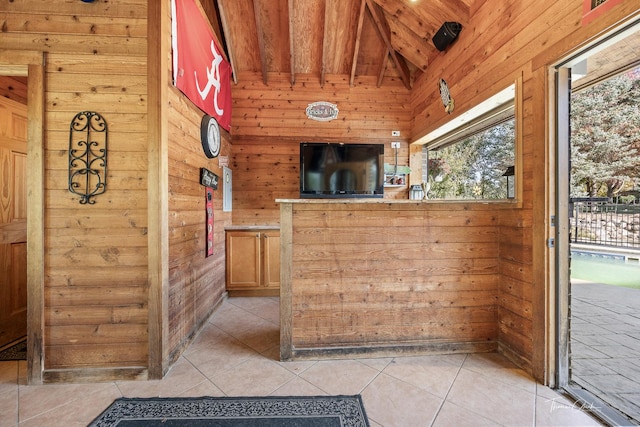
{"x":270,"y":411}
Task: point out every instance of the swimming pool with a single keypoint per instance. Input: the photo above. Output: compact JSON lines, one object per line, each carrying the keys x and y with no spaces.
{"x":611,"y":269}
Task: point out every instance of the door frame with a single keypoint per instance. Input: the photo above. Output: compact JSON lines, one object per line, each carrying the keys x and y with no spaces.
{"x":30,"y":64}
{"x":558,"y":175}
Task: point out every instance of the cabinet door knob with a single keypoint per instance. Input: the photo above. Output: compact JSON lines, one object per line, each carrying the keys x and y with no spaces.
{"x":257,"y":235}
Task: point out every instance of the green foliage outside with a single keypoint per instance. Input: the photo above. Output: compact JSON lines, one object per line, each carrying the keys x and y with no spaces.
{"x":605,"y":141}
{"x":475,"y":165}
{"x":605,"y":138}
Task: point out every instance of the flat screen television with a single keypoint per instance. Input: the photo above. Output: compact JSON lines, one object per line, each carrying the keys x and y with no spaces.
{"x":334,"y":170}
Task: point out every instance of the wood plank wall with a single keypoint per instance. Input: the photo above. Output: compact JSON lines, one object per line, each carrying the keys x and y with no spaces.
{"x":95,"y":268}
{"x":196,"y":282}
{"x":396,"y":277}
{"x":95,"y":291}
{"x":269,"y":122}
{"x":509,"y":40}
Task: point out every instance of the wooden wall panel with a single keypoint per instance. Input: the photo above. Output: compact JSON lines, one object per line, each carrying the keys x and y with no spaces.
{"x":269,"y":122}
{"x":196,"y":282}
{"x":394,"y":275}
{"x":95,"y":265}
{"x":103,"y":28}
{"x":96,"y":56}
{"x":95,"y":248}
{"x":486,"y":58}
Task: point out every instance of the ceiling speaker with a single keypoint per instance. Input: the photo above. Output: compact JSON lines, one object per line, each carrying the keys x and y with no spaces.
{"x":446,"y":34}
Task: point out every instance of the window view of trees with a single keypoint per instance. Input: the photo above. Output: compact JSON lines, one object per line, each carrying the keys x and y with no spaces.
{"x":605,"y":139}
{"x":473,"y":167}
{"x":605,"y":158}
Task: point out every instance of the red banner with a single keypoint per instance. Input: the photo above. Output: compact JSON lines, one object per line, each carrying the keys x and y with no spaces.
{"x":199,"y":69}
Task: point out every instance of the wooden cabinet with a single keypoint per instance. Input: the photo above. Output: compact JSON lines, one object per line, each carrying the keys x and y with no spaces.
{"x":253,"y":262}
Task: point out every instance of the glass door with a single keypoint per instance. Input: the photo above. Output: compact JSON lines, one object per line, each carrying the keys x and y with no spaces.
{"x":597,"y":245}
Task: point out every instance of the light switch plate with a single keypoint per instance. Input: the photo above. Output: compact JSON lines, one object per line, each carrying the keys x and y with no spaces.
{"x":227,"y":189}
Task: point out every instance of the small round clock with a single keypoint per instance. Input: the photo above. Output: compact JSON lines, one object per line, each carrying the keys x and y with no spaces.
{"x":445,"y":95}
{"x":210,"y":136}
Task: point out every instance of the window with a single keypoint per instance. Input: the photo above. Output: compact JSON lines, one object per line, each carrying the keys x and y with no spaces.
{"x":474,"y":159}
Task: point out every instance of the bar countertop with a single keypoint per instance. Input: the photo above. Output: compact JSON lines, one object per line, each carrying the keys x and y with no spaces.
{"x":365,"y":200}
{"x":252,"y":227}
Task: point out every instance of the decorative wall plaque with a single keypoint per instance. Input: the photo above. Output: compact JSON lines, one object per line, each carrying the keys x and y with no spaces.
{"x":208,"y":178}
{"x":322,"y":111}
{"x":445,"y":95}
{"x":88,"y":156}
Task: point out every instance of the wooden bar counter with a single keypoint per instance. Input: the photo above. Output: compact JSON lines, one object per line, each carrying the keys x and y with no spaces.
{"x":378,"y":277}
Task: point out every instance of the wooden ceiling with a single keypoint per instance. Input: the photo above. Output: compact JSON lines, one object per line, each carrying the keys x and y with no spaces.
{"x":352,"y":38}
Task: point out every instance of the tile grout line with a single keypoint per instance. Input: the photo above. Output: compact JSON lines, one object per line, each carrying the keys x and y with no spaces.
{"x":444,"y":399}
{"x":371,"y":382}
{"x":535,"y":405}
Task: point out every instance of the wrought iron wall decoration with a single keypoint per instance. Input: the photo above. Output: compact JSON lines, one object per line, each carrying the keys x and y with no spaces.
{"x":88,"y":156}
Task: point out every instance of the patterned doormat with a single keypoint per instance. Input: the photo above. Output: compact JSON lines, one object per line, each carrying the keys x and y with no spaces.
{"x":17,"y":351}
{"x":271,"y":411}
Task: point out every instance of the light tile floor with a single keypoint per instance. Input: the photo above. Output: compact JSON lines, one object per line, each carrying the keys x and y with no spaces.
{"x":236,"y":354}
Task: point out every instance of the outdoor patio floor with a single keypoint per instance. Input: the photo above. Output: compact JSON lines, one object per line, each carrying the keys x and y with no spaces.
{"x":605,"y":343}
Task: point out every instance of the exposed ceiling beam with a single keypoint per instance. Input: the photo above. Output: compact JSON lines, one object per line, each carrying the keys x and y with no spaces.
{"x":383,"y":29}
{"x":292,"y":43}
{"x":411,"y":32}
{"x":358,"y":38}
{"x":227,"y":36}
{"x":261,"y":44}
{"x":325,"y":46}
{"x":407,"y":16}
{"x":356,"y":48}
{"x":411,"y":46}
{"x":383,"y":68}
{"x":384,"y":57}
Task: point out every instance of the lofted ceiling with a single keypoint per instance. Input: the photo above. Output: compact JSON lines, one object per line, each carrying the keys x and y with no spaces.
{"x":386,"y":39}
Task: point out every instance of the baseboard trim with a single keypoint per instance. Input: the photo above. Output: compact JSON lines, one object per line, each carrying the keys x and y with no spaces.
{"x":95,"y":375}
{"x":386,"y":350}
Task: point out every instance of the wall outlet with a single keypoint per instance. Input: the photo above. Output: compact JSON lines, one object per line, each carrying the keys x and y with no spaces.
{"x":395,"y":145}
{"x":395,"y":133}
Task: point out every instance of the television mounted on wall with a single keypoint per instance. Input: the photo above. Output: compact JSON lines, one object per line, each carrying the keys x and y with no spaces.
{"x":336,"y":170}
